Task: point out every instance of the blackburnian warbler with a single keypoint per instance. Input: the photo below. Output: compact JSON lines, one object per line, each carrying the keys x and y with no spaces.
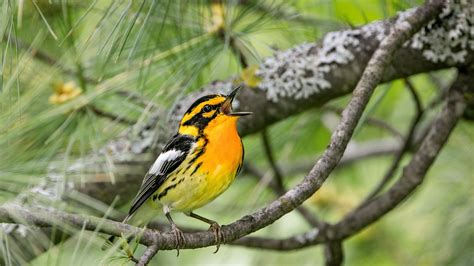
{"x":197,"y":165}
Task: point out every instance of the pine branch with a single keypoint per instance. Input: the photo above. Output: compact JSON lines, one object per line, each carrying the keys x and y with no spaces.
{"x":371,"y":77}
{"x":132,"y":154}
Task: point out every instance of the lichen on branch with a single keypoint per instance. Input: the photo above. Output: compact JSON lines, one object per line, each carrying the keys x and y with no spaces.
{"x":448,"y":37}
{"x":302,"y":71}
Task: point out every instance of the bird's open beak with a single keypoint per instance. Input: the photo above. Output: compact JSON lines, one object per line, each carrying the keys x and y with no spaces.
{"x":226,"y":107}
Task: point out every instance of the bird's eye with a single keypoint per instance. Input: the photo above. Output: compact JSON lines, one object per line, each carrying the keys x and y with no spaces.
{"x":207,"y":108}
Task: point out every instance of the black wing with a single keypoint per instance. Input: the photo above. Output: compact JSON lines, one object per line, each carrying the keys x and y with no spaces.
{"x":172,"y":155}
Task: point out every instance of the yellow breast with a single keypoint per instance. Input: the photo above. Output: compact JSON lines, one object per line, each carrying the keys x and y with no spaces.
{"x":208,"y":171}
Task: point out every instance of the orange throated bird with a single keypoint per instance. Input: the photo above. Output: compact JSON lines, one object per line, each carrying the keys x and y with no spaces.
{"x":197,"y":165}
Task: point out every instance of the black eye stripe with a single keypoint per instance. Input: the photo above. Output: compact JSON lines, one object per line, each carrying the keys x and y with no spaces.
{"x":201,"y":100}
{"x":205,"y":115}
{"x":207,"y":108}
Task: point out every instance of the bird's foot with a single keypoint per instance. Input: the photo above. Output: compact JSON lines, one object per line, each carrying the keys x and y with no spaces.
{"x":218,"y":235}
{"x":179,"y":237}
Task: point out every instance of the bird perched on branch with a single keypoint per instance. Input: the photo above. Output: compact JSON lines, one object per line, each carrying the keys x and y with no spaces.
{"x":197,"y":165}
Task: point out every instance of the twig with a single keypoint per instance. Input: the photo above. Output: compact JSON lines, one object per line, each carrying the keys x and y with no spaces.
{"x":279,"y":187}
{"x":110,"y":116}
{"x":370,"y":121}
{"x":253,"y":171}
{"x":148,"y":255}
{"x":133,"y":259}
{"x":373,"y":148}
{"x":48,"y":218}
{"x":355,"y":152}
{"x":304,"y":212}
{"x":442,"y":91}
{"x":278,"y":177}
{"x":333,"y":253}
{"x":414,"y":95}
{"x":403,"y":149}
{"x":415,"y":172}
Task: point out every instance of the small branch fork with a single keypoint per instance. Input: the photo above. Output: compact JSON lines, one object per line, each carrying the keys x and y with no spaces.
{"x":278,"y":186}
{"x":236,"y":232}
{"x":148,"y":255}
{"x":408,"y":140}
{"x":412,"y":176}
{"x":370,"y":121}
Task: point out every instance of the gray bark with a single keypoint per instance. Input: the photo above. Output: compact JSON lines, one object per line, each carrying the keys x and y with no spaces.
{"x":293,"y":81}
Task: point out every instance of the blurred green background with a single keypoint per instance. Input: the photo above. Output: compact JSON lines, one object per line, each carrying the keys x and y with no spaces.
{"x":64,"y":64}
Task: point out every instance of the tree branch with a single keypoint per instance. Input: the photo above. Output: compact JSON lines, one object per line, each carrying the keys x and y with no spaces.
{"x":412,"y":176}
{"x":354,"y":153}
{"x":132,"y":153}
{"x":404,"y":148}
{"x":401,"y":31}
{"x":279,"y":190}
{"x":333,"y":253}
{"x":415,"y":171}
{"x":277,"y":176}
{"x":148,"y":255}
{"x":351,"y":224}
{"x":370,"y":121}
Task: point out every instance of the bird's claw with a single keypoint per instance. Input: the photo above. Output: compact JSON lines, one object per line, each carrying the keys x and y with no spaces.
{"x":218,"y":235}
{"x":179,"y":238}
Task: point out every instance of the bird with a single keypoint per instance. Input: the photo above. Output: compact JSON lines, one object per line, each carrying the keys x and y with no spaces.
{"x":197,"y":165}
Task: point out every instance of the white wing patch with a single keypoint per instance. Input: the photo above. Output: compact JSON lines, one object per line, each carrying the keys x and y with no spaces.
{"x":163,"y":161}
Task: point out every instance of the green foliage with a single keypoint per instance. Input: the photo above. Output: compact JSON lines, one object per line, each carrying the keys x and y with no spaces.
{"x":162,"y":50}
